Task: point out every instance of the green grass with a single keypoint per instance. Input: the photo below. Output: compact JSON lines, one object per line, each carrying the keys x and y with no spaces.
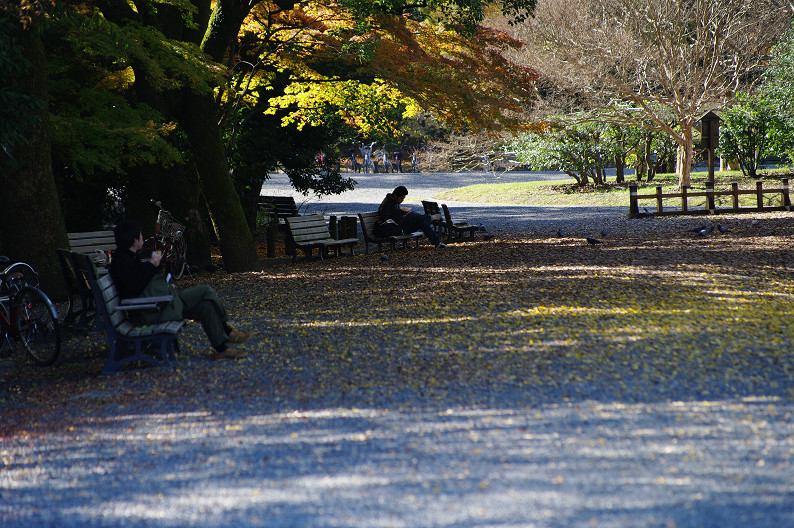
{"x":565,"y":192}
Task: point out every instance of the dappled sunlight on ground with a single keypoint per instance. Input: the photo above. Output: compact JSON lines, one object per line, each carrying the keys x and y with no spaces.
{"x":532,"y":380}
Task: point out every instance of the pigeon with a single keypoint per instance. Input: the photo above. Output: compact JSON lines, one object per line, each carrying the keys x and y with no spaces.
{"x":705,"y":231}
{"x":699,"y":229}
{"x":560,"y":233}
{"x":722,"y":229}
{"x":482,"y":228}
{"x":384,"y":257}
{"x":592,"y":241}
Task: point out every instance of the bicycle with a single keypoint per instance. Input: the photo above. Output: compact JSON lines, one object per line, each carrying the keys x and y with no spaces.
{"x":169,"y":239}
{"x":27,"y":315}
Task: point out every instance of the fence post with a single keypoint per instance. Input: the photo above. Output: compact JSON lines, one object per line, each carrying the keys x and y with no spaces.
{"x":710,"y":196}
{"x":785,"y":199}
{"x":735,"y":195}
{"x":658,"y":198}
{"x":634,"y":210}
{"x":759,"y":194}
{"x":684,"y":206}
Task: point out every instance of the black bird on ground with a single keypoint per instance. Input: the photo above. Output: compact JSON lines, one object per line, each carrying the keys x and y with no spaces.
{"x":592,"y":241}
{"x":722,"y":229}
{"x":705,"y":231}
{"x":560,"y":233}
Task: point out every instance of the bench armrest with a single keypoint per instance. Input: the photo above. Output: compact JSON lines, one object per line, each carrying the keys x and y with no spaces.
{"x":140,"y":303}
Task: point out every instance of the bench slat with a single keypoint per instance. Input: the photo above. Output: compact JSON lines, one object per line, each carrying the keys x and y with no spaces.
{"x":311,"y":231}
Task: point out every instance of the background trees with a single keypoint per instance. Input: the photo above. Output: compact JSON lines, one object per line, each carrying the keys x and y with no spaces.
{"x":658,"y":65}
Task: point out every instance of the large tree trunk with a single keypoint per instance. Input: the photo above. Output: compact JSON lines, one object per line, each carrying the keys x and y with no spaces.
{"x":234,"y":236}
{"x":30,"y":213}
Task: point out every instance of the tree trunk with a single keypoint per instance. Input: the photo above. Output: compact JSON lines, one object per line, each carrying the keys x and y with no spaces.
{"x":236,"y":243}
{"x":30,"y":213}
{"x":685,"y":156}
{"x":620,"y":168}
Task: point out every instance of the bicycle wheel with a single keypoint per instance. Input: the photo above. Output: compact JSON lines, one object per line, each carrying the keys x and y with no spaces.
{"x":20,"y":274}
{"x":177,"y":257}
{"x":37,"y":325}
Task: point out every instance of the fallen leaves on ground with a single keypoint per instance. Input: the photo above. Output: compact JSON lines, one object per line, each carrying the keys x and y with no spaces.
{"x":654,"y":312}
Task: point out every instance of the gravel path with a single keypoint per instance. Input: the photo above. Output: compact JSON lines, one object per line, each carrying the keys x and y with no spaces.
{"x":263,"y":443}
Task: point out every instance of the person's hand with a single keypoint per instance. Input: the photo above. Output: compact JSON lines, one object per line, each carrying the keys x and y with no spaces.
{"x":155,"y":259}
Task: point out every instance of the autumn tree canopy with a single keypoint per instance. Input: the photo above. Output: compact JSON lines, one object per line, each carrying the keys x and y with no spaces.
{"x":152,"y":93}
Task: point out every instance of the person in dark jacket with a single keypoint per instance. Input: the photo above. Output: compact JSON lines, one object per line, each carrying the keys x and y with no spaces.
{"x":409,"y":221}
{"x":132,"y":275}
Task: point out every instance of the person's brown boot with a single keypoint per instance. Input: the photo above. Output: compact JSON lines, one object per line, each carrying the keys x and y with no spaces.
{"x":229,"y":353}
{"x":238,"y":337}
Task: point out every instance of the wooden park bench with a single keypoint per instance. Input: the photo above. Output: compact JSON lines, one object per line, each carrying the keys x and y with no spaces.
{"x":436,"y":217}
{"x":368,"y":221}
{"x":457,"y":230}
{"x":281,"y":207}
{"x":96,"y":243}
{"x":78,"y":269}
{"x":87,"y":257}
{"x":131,"y":342}
{"x":311,"y":231}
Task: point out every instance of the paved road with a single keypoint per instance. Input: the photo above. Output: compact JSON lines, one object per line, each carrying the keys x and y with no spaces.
{"x":371,"y":188}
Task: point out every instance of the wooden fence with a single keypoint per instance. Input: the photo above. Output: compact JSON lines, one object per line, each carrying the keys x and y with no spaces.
{"x":710,"y":205}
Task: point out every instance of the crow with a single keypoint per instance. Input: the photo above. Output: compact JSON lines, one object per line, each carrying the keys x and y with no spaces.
{"x":592,"y":241}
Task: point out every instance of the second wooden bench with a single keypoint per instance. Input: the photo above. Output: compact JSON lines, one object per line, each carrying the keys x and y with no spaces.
{"x":311,"y":231}
{"x":368,"y":221}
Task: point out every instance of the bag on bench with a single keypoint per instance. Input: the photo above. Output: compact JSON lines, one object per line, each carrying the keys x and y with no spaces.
{"x":387,"y":228}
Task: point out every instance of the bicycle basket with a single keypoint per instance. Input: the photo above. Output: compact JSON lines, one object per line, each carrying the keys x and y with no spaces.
{"x":168,"y":225}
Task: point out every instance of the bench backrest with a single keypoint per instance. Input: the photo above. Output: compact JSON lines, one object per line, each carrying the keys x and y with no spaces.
{"x":448,"y":216}
{"x":368,"y":221}
{"x":107,"y":299}
{"x":309,"y":228}
{"x":70,"y":274}
{"x":91,"y":241}
{"x":283,"y":206}
{"x":431,"y":208}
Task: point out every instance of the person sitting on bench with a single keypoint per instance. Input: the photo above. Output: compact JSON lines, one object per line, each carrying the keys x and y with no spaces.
{"x":409,"y":221}
{"x":136,"y":278}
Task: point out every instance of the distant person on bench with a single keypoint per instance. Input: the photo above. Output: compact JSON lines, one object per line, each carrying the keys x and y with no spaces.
{"x":408,"y":221}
